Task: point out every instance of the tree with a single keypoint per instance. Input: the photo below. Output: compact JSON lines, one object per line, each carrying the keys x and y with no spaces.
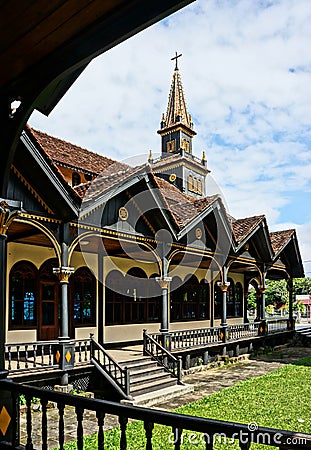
{"x":302,"y":286}
{"x":276,"y":293}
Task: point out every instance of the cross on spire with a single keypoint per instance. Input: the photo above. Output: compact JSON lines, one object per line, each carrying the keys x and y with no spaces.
{"x":176,"y":58}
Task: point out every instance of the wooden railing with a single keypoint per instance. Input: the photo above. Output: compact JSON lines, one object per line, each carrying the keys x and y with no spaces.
{"x":156,"y":349}
{"x":204,"y":431}
{"x":276,"y":325}
{"x":200,"y":337}
{"x":30,"y":355}
{"x":243,"y":330}
{"x":118,"y":376}
{"x":26,"y":356}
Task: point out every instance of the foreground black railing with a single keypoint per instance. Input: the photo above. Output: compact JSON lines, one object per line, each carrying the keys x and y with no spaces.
{"x":118,"y":376}
{"x":156,"y":349}
{"x":204,"y":431}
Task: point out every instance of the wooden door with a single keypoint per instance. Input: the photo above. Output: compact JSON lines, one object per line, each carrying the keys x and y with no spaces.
{"x":49,"y":323}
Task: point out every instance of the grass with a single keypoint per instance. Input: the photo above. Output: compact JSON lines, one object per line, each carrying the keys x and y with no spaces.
{"x":279,"y":399}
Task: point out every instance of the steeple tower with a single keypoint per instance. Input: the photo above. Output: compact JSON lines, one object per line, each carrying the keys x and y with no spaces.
{"x":176,"y":125}
{"x":177,"y":164}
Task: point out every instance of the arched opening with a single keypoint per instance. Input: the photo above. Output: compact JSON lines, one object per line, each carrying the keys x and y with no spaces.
{"x":217,"y":301}
{"x":114,"y":297}
{"x":230,"y":298}
{"x":49,"y":308}
{"x":132,"y":298}
{"x":23,"y":288}
{"x":136,"y":291}
{"x":83,"y":298}
{"x":239,"y":297}
{"x":189,"y":299}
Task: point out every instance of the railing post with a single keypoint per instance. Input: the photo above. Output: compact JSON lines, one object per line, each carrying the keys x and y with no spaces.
{"x":263,"y":328}
{"x":179,"y":369}
{"x":91,"y":345}
{"x":144,"y":342}
{"x":64,"y":356}
{"x":223,"y":334}
{"x":9,"y":415}
{"x":127,"y":381}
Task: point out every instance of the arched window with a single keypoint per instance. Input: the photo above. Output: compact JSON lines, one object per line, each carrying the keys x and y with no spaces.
{"x":230,"y":299}
{"x":114,"y":297}
{"x":176,"y":298}
{"x":76,"y":179}
{"x":204,"y":300}
{"x":189,"y":299}
{"x":217,"y":301}
{"x":132,"y":298}
{"x":154,"y":300}
{"x":238,"y":300}
{"x":83,"y":295}
{"x":136,"y":290}
{"x":23,"y":295}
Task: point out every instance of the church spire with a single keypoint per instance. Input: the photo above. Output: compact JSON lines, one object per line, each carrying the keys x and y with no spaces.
{"x":176,"y":125}
{"x":176,"y":108}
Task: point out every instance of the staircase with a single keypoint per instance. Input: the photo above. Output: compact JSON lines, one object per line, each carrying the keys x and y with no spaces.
{"x":150,"y":383}
{"x":303,"y":336}
{"x":139,"y":381}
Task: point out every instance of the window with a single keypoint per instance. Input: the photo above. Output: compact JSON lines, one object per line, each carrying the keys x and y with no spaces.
{"x":217,"y":301}
{"x":132,"y":298}
{"x":185,"y":145}
{"x":190,"y":183}
{"x":83,"y":292}
{"x":76,"y":179}
{"x":189,"y":299}
{"x":194,"y":185}
{"x":199,"y":187}
{"x":23,"y":295}
{"x":170,"y":146}
{"x":238,"y":300}
{"x":230,"y":299}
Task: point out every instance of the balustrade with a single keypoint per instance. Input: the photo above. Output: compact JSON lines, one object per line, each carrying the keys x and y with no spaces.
{"x":206,"y":431}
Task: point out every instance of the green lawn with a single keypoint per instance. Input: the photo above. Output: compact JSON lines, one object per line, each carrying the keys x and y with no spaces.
{"x":280,"y":399}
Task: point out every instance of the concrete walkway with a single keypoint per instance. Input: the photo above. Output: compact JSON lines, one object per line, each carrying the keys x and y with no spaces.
{"x":205,"y":382}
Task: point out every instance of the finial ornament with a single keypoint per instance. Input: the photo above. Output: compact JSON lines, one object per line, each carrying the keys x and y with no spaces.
{"x":176,"y":59}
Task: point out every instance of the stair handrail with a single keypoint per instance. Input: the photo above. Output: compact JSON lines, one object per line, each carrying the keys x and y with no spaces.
{"x":118,"y":376}
{"x":162,"y":356}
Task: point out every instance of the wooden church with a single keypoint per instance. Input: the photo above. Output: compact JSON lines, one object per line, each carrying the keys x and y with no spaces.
{"x":97,"y":246}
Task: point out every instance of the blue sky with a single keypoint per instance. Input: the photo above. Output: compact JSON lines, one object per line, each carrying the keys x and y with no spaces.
{"x":246,"y":71}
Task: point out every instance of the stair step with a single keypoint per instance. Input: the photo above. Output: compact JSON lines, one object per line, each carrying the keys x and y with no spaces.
{"x":153,"y":371}
{"x":152,"y":386}
{"x":140,"y":365}
{"x":150,"y":379}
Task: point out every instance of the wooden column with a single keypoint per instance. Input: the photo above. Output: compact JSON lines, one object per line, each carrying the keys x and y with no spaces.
{"x":100,"y":294}
{"x":7,"y":214}
{"x":3,"y":265}
{"x":223,"y":285}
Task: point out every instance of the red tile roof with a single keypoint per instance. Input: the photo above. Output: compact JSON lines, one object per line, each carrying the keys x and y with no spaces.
{"x":183,"y":207}
{"x":241,"y":228}
{"x":68,"y":154}
{"x":280,"y":238}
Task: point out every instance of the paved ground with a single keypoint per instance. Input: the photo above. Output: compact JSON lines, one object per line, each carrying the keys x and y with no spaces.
{"x":205,"y":383}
